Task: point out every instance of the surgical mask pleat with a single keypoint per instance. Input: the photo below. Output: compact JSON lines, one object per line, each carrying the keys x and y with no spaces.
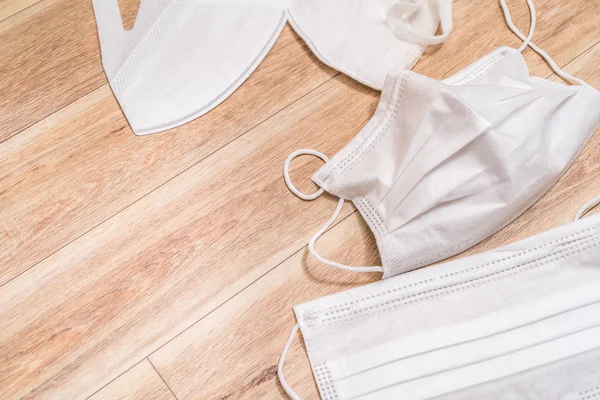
{"x":491,"y":159}
{"x":520,"y":325}
{"x":443,"y":165}
{"x":388,"y":372}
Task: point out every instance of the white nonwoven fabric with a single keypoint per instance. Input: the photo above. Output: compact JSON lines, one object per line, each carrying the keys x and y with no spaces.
{"x":185,"y":57}
{"x":518,"y":322}
{"x":443,"y":165}
{"x":365,"y":39}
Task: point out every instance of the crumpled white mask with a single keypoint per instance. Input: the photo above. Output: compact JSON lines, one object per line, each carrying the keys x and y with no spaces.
{"x":443,"y":165}
{"x":519,"y":322}
{"x":365,"y":39}
{"x":185,"y":57}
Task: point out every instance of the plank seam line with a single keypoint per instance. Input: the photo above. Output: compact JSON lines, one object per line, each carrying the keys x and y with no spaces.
{"x":120,"y":375}
{"x":292,"y":255}
{"x":239,"y":137}
{"x":161,"y":378}
{"x":53,"y":113}
{"x":303,"y":248}
{"x":20,"y":11}
{"x":202,"y":159}
{"x":175,"y":176}
{"x":582,"y":54}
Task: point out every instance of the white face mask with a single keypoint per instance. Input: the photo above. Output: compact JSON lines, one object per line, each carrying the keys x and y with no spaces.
{"x":353,"y":37}
{"x":443,"y":165}
{"x":522,"y":321}
{"x":184,"y":57}
{"x":173,"y":65}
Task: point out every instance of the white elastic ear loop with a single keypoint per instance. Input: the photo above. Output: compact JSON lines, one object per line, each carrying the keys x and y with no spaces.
{"x":286,"y":173}
{"x":527,"y":41}
{"x":514,"y":29}
{"x":284,"y":384}
{"x":404,"y":32}
{"x":587,"y":207}
{"x":336,"y":213}
{"x":313,"y":240}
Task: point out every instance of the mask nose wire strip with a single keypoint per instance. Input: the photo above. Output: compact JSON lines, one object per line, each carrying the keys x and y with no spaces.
{"x":527,"y":41}
{"x":587,"y":207}
{"x":336,"y":213}
{"x":284,"y":384}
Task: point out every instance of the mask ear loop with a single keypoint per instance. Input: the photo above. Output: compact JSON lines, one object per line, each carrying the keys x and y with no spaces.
{"x":527,"y":41}
{"x":404,"y":32}
{"x":336,"y":213}
{"x":284,"y":384}
{"x":587,"y":207}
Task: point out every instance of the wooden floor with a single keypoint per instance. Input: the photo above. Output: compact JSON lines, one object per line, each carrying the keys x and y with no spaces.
{"x":166,"y":266}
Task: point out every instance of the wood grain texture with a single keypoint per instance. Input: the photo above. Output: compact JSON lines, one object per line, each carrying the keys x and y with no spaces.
{"x":112,"y":245}
{"x":151,"y":271}
{"x":247,"y":334}
{"x":142,"y":382}
{"x":51,"y":185}
{"x":564,"y":30}
{"x":53,"y":60}
{"x":11,"y":7}
{"x":51,"y":57}
{"x":68,"y":173}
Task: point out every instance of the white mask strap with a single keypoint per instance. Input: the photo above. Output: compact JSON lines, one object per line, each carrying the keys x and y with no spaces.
{"x":284,"y":384}
{"x":587,"y":207}
{"x":108,"y":18}
{"x":286,"y":173}
{"x":336,"y":213}
{"x":527,"y":41}
{"x":396,"y":20}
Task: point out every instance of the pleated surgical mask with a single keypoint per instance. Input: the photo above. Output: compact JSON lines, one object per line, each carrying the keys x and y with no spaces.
{"x":183,"y":57}
{"x":445,"y":164}
{"x":519,"y":322}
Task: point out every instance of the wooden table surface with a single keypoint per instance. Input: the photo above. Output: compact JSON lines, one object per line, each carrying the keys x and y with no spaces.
{"x":166,"y":266}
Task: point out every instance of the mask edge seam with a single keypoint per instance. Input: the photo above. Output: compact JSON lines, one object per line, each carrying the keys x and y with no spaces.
{"x":558,"y":241}
{"x":444,"y":290}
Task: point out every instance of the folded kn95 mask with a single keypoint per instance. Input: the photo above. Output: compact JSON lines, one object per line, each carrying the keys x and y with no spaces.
{"x":444,"y":164}
{"x":184,"y":57}
{"x":519,"y":322}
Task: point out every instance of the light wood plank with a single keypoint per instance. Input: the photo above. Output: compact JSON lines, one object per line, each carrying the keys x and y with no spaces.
{"x":233,"y":352}
{"x":97,"y":307}
{"x":112,"y":297}
{"x":52,"y":188}
{"x":564,"y":30}
{"x":78,"y":167}
{"x":139,"y":383}
{"x":50,"y":58}
{"x":129,"y":10}
{"x":246,"y":335}
{"x":10,"y":7}
{"x":53,"y":59}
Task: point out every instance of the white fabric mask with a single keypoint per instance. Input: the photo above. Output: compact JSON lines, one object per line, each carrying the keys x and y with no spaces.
{"x":173,"y":65}
{"x":519,"y":322}
{"x":184,"y":57}
{"x":443,"y":165}
{"x":365,"y":39}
